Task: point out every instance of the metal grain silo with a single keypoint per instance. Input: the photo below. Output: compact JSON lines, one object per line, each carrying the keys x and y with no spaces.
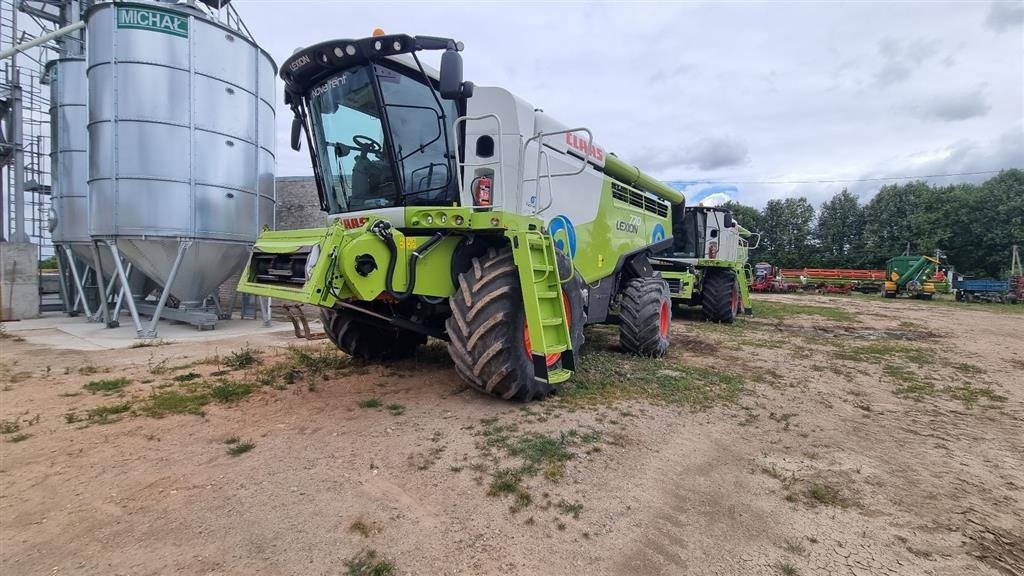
{"x":69,"y":162}
{"x":181,"y":141}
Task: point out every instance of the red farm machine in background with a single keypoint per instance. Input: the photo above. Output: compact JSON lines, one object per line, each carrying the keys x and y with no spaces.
{"x":768,"y":278}
{"x":838,"y":280}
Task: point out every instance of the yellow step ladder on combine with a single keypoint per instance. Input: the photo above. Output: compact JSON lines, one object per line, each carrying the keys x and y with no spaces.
{"x":546,"y":316}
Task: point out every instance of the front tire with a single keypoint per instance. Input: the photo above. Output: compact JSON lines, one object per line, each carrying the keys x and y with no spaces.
{"x":720,"y":295}
{"x":487,"y":326}
{"x":370,"y":342}
{"x":645,"y":317}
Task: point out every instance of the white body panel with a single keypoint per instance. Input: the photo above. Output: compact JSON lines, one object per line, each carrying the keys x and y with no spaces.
{"x":519,"y":186}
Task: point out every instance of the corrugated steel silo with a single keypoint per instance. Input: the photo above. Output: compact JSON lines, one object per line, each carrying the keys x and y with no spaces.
{"x":181,"y":141}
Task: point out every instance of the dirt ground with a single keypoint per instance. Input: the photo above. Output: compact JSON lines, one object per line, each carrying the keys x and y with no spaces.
{"x":828,"y":435}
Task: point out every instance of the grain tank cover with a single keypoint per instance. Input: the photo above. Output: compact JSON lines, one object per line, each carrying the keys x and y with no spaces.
{"x":181,"y":138}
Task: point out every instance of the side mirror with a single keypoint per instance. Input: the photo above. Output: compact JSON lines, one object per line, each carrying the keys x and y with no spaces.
{"x":729,"y":222}
{"x":296,"y":133}
{"x":452,"y":86}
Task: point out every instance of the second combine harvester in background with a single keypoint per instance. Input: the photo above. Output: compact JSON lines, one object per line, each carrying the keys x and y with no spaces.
{"x":462,"y":213}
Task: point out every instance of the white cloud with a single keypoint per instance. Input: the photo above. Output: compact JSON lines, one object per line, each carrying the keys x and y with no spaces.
{"x":795,"y":91}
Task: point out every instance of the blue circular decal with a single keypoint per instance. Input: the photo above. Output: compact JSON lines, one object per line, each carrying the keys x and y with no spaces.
{"x":562,"y":231}
{"x":658,"y":234}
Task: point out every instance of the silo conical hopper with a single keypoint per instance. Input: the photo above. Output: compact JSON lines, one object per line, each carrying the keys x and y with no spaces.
{"x":181,"y":141}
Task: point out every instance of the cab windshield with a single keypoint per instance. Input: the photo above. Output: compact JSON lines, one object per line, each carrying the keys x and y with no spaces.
{"x":382,"y":140}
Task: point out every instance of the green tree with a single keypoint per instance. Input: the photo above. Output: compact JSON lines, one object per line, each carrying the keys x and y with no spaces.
{"x":786,"y":227}
{"x":888,"y":217}
{"x":839,"y":232}
{"x":748,"y":216}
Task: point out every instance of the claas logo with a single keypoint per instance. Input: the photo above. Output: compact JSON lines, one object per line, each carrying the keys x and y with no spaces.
{"x":350,"y":223}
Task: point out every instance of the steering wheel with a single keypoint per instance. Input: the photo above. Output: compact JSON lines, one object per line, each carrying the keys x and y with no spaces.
{"x":367,"y":144}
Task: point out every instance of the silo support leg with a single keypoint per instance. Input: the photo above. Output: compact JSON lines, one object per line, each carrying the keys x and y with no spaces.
{"x":81,"y":295}
{"x":104,"y":312}
{"x":123,"y":276}
{"x":151,"y":331}
{"x":69,"y":258}
{"x":265,"y":310}
{"x":121,"y":292}
{"x":62,"y":279}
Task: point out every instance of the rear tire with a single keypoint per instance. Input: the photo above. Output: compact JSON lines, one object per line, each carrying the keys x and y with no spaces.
{"x":365,"y":341}
{"x":645,"y":317}
{"x":487,"y":325}
{"x":720,"y":295}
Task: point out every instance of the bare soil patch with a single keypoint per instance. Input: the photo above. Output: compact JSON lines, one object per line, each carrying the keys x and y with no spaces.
{"x":827,"y":435}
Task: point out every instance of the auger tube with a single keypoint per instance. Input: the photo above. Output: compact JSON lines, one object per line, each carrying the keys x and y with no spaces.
{"x":634,"y":177}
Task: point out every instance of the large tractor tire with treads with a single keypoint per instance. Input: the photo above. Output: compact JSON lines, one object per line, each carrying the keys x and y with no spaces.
{"x":366,"y":341}
{"x":645,"y":317}
{"x":487,"y":328}
{"x":720,"y":295}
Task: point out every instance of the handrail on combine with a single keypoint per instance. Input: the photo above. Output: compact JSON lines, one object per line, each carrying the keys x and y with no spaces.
{"x":461,"y":164}
{"x":542,"y":159}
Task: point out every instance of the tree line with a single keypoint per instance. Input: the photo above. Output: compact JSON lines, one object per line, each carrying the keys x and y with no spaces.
{"x":973,"y":225}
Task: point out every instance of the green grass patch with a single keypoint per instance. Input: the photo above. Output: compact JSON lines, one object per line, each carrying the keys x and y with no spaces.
{"x":971,"y":395}
{"x":359,"y":526}
{"x":825,"y":495}
{"x":9,"y":426}
{"x":175,"y":402}
{"x":243,"y":358}
{"x":319,"y":361}
{"x":505,"y":481}
{"x":369,"y":563}
{"x":786,"y":569}
{"x":908,"y":383}
{"x":109,"y":386}
{"x":782,"y":310}
{"x":108,"y":413}
{"x":573,"y":509}
{"x":228,"y":391}
{"x":239,"y":447}
{"x":605,"y":375}
{"x":968,"y":369}
{"x":370,"y":403}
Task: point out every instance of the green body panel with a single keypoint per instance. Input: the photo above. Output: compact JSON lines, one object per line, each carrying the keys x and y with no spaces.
{"x":632,"y":176}
{"x":910,"y":268}
{"x":619,"y":228}
{"x":334,"y":275}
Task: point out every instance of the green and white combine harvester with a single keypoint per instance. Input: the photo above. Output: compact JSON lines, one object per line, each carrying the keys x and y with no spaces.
{"x":706,"y":265}
{"x":463,"y":213}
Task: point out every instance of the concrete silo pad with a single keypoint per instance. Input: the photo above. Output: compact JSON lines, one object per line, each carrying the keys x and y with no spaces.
{"x":58,"y":331}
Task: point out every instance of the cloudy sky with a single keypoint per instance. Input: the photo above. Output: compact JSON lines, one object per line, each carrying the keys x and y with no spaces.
{"x":743,"y":99}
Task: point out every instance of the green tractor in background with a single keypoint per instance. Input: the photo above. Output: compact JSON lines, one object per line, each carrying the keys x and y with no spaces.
{"x":706,"y":265}
{"x":462,"y":213}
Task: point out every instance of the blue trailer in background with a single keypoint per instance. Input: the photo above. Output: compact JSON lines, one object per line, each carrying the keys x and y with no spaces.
{"x":983,"y":290}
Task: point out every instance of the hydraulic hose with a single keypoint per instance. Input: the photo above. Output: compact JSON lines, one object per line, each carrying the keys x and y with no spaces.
{"x":382,"y":229}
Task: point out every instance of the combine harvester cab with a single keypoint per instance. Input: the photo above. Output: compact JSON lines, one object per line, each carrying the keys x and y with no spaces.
{"x":706,"y":265}
{"x":462,"y":213}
